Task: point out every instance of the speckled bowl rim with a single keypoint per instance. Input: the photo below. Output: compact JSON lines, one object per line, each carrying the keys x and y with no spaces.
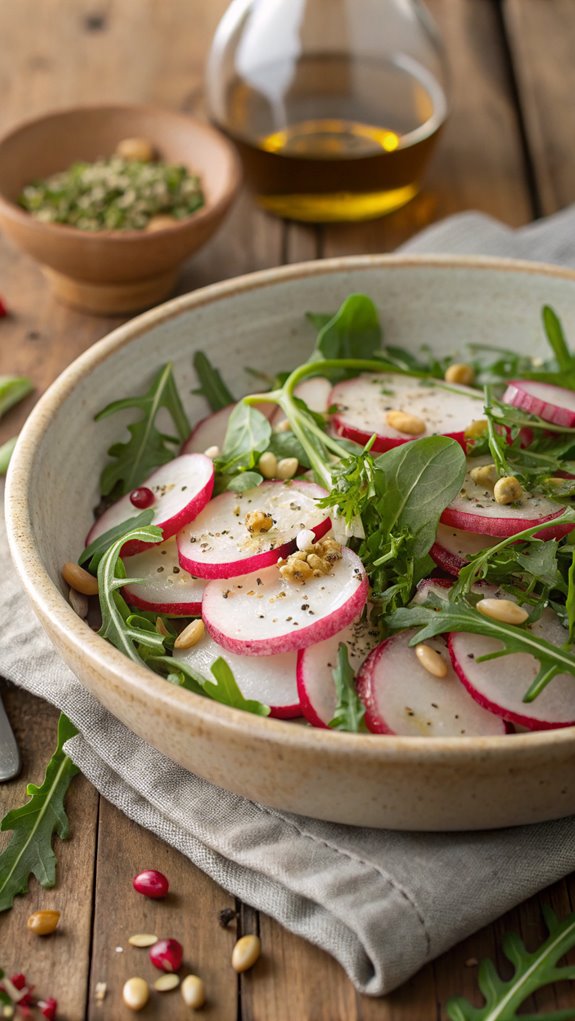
{"x":210,"y":210}
{"x":73,"y":633}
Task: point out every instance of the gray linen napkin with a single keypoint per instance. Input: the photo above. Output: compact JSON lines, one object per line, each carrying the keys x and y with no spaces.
{"x":382,"y":903}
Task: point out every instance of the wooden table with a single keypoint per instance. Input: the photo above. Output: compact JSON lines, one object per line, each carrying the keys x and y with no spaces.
{"x":508,"y":150}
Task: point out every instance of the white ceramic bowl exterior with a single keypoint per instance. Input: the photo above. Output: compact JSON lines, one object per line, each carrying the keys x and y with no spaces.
{"x":411,"y":783}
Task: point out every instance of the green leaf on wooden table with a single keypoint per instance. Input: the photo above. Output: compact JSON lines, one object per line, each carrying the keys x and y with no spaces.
{"x":532,"y":970}
{"x":212,"y":386}
{"x":353,"y":332}
{"x":96,"y":549}
{"x":147,"y":448}
{"x":6,"y":451}
{"x":12,"y":390}
{"x":350,"y":710}
{"x":29,"y":851}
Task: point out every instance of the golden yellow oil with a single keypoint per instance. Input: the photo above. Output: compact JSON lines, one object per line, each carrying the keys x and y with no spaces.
{"x":356,"y":139}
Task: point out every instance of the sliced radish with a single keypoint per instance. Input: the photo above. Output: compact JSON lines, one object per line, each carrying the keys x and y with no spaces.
{"x":217,"y":544}
{"x":365,"y":401}
{"x":431,"y":586}
{"x":315,"y":392}
{"x":211,"y":430}
{"x":500,"y":684}
{"x":402,"y":697}
{"x":268,"y":679}
{"x":262,"y":614}
{"x":552,"y":403}
{"x":181,"y":489}
{"x":475,"y":509}
{"x":453,"y":548}
{"x":315,"y":665}
{"x":165,"y":586}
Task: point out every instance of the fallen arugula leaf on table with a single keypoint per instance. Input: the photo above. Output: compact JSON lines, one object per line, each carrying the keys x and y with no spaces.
{"x":12,"y":390}
{"x":533,"y":970}
{"x":147,"y":448}
{"x":29,"y":851}
{"x":212,"y":386}
{"x":350,"y":710}
{"x":6,"y":451}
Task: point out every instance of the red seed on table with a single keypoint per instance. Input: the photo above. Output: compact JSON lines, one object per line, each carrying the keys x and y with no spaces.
{"x":151,"y":883}
{"x":142,"y":497}
{"x":167,"y":955}
{"x":48,"y":1008}
{"x":3,"y":309}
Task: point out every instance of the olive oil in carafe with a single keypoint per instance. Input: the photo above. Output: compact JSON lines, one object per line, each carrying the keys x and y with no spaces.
{"x":354,"y":138}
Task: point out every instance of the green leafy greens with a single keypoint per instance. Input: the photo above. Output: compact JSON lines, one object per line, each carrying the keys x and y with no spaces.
{"x":350,"y":710}
{"x":212,"y":386}
{"x":13,"y":389}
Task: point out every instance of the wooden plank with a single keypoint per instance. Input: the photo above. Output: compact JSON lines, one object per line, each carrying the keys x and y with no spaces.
{"x":57,"y":965}
{"x":542,"y":42}
{"x":478,"y":163}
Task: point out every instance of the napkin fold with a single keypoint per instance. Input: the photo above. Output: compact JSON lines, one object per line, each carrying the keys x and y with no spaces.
{"x":382,"y":903}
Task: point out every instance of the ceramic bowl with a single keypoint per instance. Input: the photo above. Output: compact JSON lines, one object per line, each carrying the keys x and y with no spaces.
{"x":113,"y":272}
{"x":398,"y":782}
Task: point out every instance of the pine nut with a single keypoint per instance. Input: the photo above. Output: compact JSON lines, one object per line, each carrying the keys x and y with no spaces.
{"x":504,"y":610}
{"x":212,"y":452}
{"x":43,"y":923}
{"x":508,"y":490}
{"x":77,"y":578}
{"x":138,"y":149}
{"x":484,"y":475}
{"x":317,"y":564}
{"x":476,"y":429}
{"x":411,"y":425}
{"x":191,"y":635}
{"x":79,"y":603}
{"x":161,"y":627}
{"x":193,"y":992}
{"x":267,"y":465}
{"x":167,"y":982}
{"x":143,"y":939}
{"x":136,"y":993}
{"x":287,"y":468}
{"x":283,"y":426}
{"x":431,"y":660}
{"x":459,"y":372}
{"x":245,"y":953}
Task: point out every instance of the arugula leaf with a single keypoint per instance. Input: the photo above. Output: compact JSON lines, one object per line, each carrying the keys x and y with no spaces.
{"x":6,"y":451}
{"x":353,"y":332}
{"x":532,"y":970}
{"x":246,"y":480}
{"x":247,"y":436}
{"x":119,"y":625}
{"x":29,"y":851}
{"x":147,"y":448}
{"x":212,"y":386}
{"x":225,"y":689}
{"x":98,"y":547}
{"x":350,"y":710}
{"x":319,"y":319}
{"x":556,"y":337}
{"x":288,"y":445}
{"x":12,"y":390}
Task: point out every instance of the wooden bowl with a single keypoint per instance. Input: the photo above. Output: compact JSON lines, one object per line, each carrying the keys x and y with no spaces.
{"x":113,"y":272}
{"x":382,"y":781}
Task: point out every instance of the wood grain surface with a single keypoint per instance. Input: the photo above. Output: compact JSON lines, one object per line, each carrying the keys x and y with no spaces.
{"x":508,"y":150}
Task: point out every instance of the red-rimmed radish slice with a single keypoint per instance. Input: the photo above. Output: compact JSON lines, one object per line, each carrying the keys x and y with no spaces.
{"x":165,"y":586}
{"x":435,"y":586}
{"x":262,"y":614}
{"x":315,"y":665}
{"x":552,"y":403}
{"x":211,"y":430}
{"x":453,"y":547}
{"x":500,"y":684}
{"x":402,"y":697}
{"x":181,"y":489}
{"x":315,"y":392}
{"x":217,"y":544}
{"x":364,"y":403}
{"x":475,"y":509}
{"x":267,"y":679}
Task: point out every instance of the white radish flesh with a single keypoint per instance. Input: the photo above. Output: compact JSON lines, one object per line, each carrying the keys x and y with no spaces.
{"x":181,"y":488}
{"x":211,"y":430}
{"x":364,"y":403}
{"x":402,"y":697}
{"x":262,"y":614}
{"x":315,"y":667}
{"x":431,"y":586}
{"x":453,"y":547}
{"x":475,"y":509}
{"x":552,"y":403}
{"x":217,"y":544}
{"x":267,"y":679}
{"x":500,"y":684}
{"x":165,"y":587}
{"x":315,"y":392}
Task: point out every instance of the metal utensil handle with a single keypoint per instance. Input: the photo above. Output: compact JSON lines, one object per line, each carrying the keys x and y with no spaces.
{"x":9,"y":751}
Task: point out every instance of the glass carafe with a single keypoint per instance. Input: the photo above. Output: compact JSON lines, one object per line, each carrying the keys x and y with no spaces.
{"x":335,"y":105}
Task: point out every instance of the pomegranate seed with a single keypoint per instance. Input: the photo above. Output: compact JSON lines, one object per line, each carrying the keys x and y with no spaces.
{"x":20,"y":983}
{"x":167,"y":955}
{"x":151,"y":883}
{"x":3,"y":309}
{"x":48,"y":1008}
{"x":142,"y":497}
